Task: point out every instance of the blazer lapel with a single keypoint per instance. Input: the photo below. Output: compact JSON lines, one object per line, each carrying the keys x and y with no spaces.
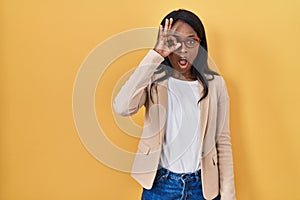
{"x":162,"y":96}
{"x":204,"y":106}
{"x":162,"y":92}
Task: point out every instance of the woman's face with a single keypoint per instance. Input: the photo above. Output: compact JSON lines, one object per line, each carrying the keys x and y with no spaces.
{"x":183,"y":58}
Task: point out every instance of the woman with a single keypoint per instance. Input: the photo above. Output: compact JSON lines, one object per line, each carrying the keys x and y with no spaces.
{"x":185,"y":150}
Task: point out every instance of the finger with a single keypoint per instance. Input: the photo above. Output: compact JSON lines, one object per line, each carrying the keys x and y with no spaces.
{"x":170,"y":23}
{"x":160,"y":31}
{"x":166,"y":26}
{"x":175,"y":47}
{"x":172,"y":32}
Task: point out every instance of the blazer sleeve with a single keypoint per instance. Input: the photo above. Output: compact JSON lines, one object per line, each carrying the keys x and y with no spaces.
{"x":133,"y":94}
{"x":225,"y":160}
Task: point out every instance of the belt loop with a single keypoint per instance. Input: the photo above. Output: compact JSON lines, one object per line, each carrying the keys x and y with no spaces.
{"x":164,"y":172}
{"x":167,"y":174}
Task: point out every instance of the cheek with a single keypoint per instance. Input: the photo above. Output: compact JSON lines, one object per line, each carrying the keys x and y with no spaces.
{"x":193,"y":55}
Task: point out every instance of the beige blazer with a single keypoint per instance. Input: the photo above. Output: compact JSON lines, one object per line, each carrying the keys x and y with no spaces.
{"x":216,"y":162}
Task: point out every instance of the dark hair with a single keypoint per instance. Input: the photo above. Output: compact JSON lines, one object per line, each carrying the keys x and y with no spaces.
{"x":200,"y":65}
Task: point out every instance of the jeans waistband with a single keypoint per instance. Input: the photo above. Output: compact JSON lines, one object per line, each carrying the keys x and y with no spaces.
{"x":177,"y":176}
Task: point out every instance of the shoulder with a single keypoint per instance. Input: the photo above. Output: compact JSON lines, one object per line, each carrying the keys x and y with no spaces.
{"x":217,"y":86}
{"x":215,"y":81}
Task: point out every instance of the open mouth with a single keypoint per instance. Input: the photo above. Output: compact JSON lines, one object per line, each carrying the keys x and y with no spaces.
{"x":182,"y":61}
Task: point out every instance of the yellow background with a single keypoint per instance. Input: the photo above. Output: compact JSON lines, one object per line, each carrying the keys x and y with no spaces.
{"x":43,"y":43}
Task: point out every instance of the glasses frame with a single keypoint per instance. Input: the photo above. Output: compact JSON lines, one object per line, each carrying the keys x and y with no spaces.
{"x":185,"y":40}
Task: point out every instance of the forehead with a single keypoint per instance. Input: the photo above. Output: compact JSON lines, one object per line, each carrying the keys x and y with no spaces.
{"x":182,"y":28}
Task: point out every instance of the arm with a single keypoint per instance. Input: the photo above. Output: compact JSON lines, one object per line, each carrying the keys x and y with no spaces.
{"x":226,"y":174}
{"x":133,"y":94}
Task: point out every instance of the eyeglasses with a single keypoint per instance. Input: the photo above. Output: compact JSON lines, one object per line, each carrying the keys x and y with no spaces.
{"x":189,"y":42}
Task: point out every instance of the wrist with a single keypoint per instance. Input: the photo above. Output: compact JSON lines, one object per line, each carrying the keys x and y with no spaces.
{"x":160,"y":52}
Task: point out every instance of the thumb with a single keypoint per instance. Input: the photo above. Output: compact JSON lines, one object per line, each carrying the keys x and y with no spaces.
{"x":176,"y":46}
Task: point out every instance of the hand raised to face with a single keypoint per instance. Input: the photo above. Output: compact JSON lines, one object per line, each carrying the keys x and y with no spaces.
{"x":166,"y":43}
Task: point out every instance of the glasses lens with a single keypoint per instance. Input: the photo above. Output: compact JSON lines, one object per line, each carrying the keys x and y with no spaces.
{"x":191,"y":42}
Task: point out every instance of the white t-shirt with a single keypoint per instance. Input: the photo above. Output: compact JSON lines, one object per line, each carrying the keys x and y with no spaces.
{"x":181,"y":147}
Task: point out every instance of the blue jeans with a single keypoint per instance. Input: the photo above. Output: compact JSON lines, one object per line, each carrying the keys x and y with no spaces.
{"x":173,"y":186}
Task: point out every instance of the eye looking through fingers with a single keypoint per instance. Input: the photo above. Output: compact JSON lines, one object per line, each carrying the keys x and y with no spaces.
{"x":171,"y":41}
